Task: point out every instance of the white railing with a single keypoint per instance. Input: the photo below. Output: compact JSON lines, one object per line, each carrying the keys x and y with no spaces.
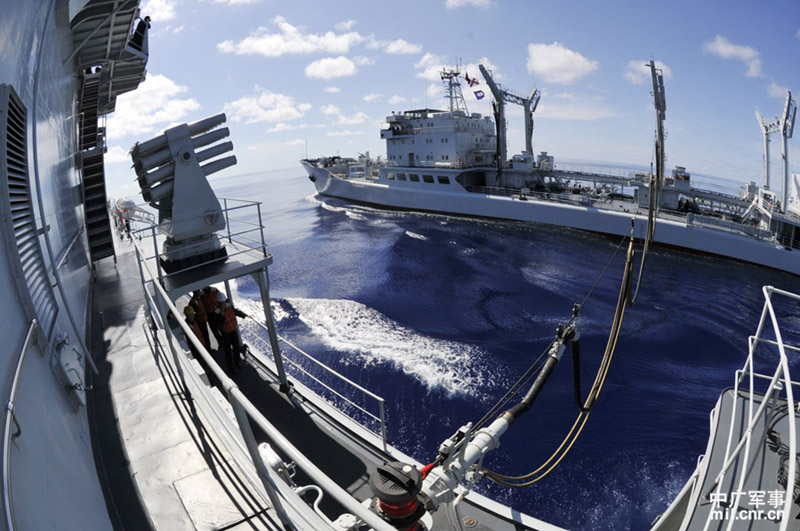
{"x":728,"y":225}
{"x":779,"y":381}
{"x":12,"y":419}
{"x":380,"y":402}
{"x":245,"y":412}
{"x":244,"y":228}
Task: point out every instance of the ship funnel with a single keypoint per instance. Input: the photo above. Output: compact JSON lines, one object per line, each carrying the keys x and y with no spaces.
{"x":172,"y":179}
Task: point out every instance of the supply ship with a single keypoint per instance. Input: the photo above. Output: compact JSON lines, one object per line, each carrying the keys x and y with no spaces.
{"x":119,"y":416}
{"x":455,"y":162}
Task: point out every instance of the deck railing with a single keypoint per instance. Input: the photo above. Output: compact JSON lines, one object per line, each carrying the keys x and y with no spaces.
{"x":728,"y":225}
{"x":242,"y":226}
{"x":12,"y":419}
{"x":780,"y":383}
{"x":238,"y":434}
{"x":380,"y":403}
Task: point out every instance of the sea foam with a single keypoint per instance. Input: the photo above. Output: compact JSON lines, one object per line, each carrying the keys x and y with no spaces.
{"x":372,"y":338}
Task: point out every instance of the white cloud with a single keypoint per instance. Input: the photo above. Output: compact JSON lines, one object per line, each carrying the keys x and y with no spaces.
{"x":435,"y":96}
{"x":290,"y":40}
{"x":363,"y":60}
{"x":357,"y":118}
{"x":372,"y":97}
{"x":340,"y":117}
{"x":236,"y":2}
{"x":283,"y":126}
{"x":394,"y":100}
{"x":455,"y":4}
{"x":296,"y":142}
{"x":116,"y":154}
{"x":345,"y":132}
{"x":639,"y":71}
{"x":557,"y":64}
{"x":430,"y":65}
{"x":722,"y":47}
{"x":476,"y":72}
{"x":265,"y":106}
{"x":159,"y":10}
{"x":331,"y":67}
{"x":777,"y":91}
{"x":155,"y":104}
{"x":330,"y":110}
{"x":332,"y":90}
{"x":346,"y":25}
{"x":397,"y":47}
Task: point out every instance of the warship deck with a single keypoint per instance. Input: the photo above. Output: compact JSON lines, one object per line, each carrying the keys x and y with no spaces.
{"x":165,"y":453}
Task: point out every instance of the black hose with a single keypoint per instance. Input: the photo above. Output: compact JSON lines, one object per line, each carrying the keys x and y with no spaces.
{"x":525,"y":404}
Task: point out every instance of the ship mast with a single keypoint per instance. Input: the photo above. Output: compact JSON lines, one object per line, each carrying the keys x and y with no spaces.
{"x":453,"y":90}
{"x":660,"y":104}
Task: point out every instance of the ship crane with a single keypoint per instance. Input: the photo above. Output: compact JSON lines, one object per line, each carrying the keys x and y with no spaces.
{"x":785,"y":126}
{"x":529,"y":104}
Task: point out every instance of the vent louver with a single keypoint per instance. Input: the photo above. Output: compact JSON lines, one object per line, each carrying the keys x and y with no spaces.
{"x":21,"y":237}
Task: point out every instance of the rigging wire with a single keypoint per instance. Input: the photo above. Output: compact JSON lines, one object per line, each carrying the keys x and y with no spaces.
{"x":566,"y":445}
{"x":627,"y":297}
{"x":537,"y":364}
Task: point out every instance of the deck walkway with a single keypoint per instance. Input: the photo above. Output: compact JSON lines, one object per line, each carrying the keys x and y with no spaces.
{"x":164,"y":468}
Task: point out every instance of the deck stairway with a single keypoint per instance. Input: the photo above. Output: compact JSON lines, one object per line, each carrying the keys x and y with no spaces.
{"x":98,"y":225}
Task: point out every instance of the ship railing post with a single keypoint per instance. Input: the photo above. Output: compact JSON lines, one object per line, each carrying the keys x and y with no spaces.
{"x":261,"y":228}
{"x":139,"y":259}
{"x":252,"y":448}
{"x":227,"y":218}
{"x":383,"y":422}
{"x":262,"y":278}
{"x":155,"y":256}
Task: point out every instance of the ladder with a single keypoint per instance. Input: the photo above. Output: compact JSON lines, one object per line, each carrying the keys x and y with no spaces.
{"x":98,"y":225}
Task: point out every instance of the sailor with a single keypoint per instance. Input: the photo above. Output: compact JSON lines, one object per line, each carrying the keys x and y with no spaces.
{"x":200,"y":315}
{"x":225,"y":316}
{"x":209,"y":299}
{"x":138,"y":36}
{"x":190,"y":320}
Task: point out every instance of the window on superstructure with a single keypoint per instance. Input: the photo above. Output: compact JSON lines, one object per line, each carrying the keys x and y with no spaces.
{"x":443,"y":179}
{"x":390,"y":176}
{"x":413,"y":177}
{"x":401,"y":176}
{"x":427,"y":178}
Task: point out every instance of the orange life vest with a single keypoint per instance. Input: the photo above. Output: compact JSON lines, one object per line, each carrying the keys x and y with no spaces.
{"x":210,"y":301}
{"x":229,"y":323}
{"x":200,"y":314}
{"x":199,"y":334}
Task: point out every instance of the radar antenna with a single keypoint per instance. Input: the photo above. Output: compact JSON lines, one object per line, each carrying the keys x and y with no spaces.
{"x":453,"y":89}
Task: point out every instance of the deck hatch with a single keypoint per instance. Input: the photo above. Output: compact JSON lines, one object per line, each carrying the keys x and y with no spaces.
{"x":16,"y":208}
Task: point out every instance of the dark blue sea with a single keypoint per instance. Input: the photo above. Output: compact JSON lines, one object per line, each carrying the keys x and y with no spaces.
{"x":439,"y":315}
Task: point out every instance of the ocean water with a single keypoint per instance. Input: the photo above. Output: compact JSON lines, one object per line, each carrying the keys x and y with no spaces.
{"x":439,"y":315}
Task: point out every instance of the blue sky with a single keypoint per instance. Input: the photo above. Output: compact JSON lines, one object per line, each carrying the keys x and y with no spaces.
{"x":322,"y":76}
